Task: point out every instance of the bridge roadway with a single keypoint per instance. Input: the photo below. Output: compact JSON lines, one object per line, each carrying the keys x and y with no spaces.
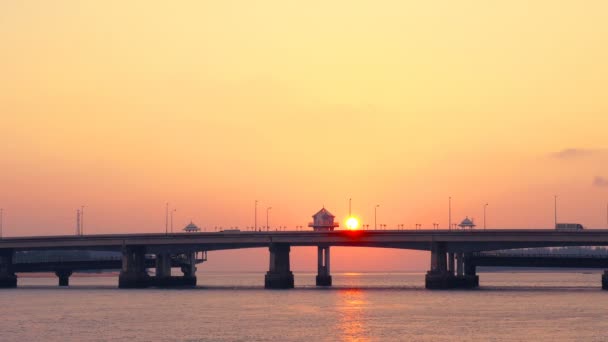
{"x":449,"y":250}
{"x":456,"y":240}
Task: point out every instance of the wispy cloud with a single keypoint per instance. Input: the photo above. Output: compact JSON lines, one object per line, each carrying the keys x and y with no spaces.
{"x":600,"y":182}
{"x":572,"y":153}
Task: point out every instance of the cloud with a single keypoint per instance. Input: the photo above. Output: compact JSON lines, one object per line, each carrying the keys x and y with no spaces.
{"x":571,"y":153}
{"x":600,"y":182}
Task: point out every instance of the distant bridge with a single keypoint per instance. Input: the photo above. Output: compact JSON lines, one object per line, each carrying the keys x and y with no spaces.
{"x":452,"y":264}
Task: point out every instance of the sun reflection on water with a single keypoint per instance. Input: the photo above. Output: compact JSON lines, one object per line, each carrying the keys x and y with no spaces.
{"x":351,"y":310}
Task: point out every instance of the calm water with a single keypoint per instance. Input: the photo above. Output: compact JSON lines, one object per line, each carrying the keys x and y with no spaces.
{"x":361,"y":307}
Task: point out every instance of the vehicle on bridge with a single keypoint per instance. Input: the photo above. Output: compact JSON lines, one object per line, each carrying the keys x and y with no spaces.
{"x":569,"y":226}
{"x":231,"y":230}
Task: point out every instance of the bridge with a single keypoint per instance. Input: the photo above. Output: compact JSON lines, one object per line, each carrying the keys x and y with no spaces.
{"x":452,"y":264}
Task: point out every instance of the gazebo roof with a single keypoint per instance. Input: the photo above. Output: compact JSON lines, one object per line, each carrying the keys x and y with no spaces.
{"x":191,"y":227}
{"x":323,"y":212}
{"x":467,"y":223}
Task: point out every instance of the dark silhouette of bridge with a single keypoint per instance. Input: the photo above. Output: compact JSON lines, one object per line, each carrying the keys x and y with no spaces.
{"x":455,"y":255}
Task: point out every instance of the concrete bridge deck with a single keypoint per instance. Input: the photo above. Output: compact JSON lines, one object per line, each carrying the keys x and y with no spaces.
{"x":451,"y":263}
{"x":456,"y":240}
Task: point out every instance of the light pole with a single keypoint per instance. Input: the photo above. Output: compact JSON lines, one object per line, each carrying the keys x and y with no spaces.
{"x":1,"y":212}
{"x":166,"y":218}
{"x":267,"y":226}
{"x":172,"y":211}
{"x":349,"y":207}
{"x":376,"y":216}
{"x":255,"y":216}
{"x":555,"y":210}
{"x":484,"y":216}
{"x":450,"y":212}
{"x":82,"y":220}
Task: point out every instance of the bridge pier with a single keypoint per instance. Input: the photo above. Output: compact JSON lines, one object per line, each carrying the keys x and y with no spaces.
{"x":163,"y":277}
{"x":441,"y":275}
{"x":323,"y":274}
{"x":451,"y":267}
{"x":605,"y":280}
{"x":279,"y":275}
{"x":471,"y":279}
{"x":189,"y":270}
{"x":8,"y":279}
{"x":64,"y":277}
{"x":133,"y":273}
{"x":438,"y":277}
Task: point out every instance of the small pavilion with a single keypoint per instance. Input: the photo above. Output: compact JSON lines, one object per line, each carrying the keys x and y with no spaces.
{"x":323,"y":220}
{"x":467,"y":223}
{"x":191,"y":228}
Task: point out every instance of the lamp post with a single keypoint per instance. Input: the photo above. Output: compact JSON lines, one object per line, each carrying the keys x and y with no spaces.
{"x":555,"y":210}
{"x":267,"y":226}
{"x":484,"y":216}
{"x":376,"y":216}
{"x":172,"y":211}
{"x":450,"y":212}
{"x":1,"y":212}
{"x":255,"y":216}
{"x":166,"y":218}
{"x":82,"y":220}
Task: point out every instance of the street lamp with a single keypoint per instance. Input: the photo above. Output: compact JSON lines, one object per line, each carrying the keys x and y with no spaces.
{"x":82,"y":220}
{"x":450,"y":212}
{"x":255,"y":216}
{"x":484,"y":216}
{"x":267,"y":226}
{"x":172,"y":211}
{"x":376,"y":215}
{"x":167,"y":218}
{"x":555,"y":209}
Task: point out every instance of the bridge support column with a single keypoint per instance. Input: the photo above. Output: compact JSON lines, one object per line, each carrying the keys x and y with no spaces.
{"x":189,"y":270}
{"x":133,"y":273}
{"x":64,"y":277}
{"x":323,"y":274}
{"x":163,"y":265}
{"x":438,"y":277}
{"x":471,"y":279}
{"x":459,"y":264}
{"x":441,"y":275}
{"x":163,"y":276}
{"x":605,"y":280}
{"x":279,"y":275}
{"x":8,"y":279}
{"x":451,"y":268}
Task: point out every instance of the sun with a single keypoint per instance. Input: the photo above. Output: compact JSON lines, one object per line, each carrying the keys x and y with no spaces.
{"x":352,"y":223}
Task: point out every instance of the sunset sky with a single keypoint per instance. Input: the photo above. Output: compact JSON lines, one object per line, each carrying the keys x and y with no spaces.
{"x":123,"y":106}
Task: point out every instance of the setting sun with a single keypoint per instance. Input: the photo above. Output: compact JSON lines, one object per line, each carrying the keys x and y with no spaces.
{"x":352,"y":223}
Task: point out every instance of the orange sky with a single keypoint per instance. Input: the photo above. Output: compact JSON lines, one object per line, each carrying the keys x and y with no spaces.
{"x":211,"y":105}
